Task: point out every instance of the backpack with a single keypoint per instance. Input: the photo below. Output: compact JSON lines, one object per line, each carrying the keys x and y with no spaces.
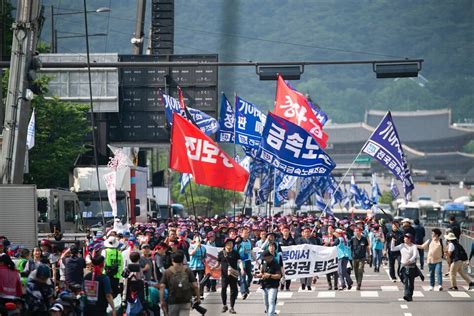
{"x":180,"y":288}
{"x":136,"y":294}
{"x":461,"y":253}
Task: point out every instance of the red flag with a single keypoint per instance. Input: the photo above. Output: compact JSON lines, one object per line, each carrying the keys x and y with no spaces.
{"x":293,"y":106}
{"x":194,"y":152}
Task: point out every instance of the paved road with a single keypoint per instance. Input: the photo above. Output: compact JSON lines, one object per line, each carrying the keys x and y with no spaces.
{"x":379,"y":296}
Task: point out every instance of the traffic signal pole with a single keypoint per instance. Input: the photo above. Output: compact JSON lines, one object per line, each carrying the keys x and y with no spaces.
{"x":26,"y":30}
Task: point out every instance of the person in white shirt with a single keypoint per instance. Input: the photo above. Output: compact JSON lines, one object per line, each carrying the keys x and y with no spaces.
{"x":409,"y":271}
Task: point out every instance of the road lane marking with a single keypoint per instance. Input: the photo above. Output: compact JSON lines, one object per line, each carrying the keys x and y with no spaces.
{"x":458,"y":294}
{"x":280,"y":303}
{"x":403,"y":306}
{"x":285,"y":295}
{"x":418,"y":294}
{"x":406,"y":314}
{"x":389,"y":288}
{"x":369,"y":294}
{"x":326,"y":294}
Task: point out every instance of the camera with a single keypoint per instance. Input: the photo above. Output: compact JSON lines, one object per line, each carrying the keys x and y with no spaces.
{"x":201,"y":310}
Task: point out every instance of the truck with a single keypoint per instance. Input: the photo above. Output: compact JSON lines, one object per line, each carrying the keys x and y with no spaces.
{"x":28,"y":214}
{"x":131,"y":195}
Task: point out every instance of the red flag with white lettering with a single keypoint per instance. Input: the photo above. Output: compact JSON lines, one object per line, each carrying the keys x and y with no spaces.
{"x":293,"y":106}
{"x":194,"y":152}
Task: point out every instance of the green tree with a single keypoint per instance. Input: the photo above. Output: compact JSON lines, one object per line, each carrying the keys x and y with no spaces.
{"x":208,"y":201}
{"x":386,"y":197}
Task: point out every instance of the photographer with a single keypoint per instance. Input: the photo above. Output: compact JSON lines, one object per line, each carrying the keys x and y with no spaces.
{"x":181,"y":283}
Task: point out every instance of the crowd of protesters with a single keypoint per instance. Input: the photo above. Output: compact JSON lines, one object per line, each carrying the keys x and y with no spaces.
{"x":159,"y":267}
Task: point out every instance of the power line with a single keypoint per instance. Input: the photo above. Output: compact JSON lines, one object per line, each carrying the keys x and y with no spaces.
{"x":288,"y":43}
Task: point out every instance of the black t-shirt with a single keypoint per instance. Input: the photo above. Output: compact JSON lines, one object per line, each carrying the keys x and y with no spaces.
{"x":74,"y":269}
{"x":397,"y":235}
{"x":359,"y":247}
{"x":310,"y":241}
{"x":228,"y":258}
{"x":287,"y":242}
{"x":95,"y":292}
{"x":272,"y":268}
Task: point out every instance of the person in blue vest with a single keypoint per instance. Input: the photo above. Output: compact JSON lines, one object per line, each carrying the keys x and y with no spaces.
{"x":343,"y":255}
{"x":197,"y":255}
{"x":245,"y":250}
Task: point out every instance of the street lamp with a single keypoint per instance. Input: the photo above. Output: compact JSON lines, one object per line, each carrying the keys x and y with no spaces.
{"x":54,"y":46}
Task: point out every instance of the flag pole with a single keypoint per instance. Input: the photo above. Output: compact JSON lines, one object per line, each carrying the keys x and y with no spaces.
{"x":235,"y":122}
{"x":192,"y":199}
{"x":352,"y":165}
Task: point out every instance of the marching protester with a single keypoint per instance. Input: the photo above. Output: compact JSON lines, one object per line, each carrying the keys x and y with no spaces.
{"x":39,"y":291}
{"x":286,"y":240}
{"x":434,"y":258}
{"x":360,"y":248}
{"x":419,"y":238}
{"x":181,"y":284}
{"x":394,"y":256}
{"x":457,"y":257}
{"x":113,"y":263}
{"x":270,"y":275}
{"x":228,"y":260}
{"x":307,"y":239}
{"x":245,"y":250}
{"x":97,"y":289}
{"x":10,"y":284}
{"x":329,"y":240}
{"x":409,"y":271}
{"x":197,"y":255}
{"x":343,"y":255}
{"x":74,"y":266}
{"x":377,"y":241}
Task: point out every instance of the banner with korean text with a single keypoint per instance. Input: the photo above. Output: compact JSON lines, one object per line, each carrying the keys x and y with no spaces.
{"x":249,"y":122}
{"x":292,"y":150}
{"x":300,"y":261}
{"x":226,"y":122}
{"x":385,"y":146}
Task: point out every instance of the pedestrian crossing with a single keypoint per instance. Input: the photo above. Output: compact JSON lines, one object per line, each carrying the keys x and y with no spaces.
{"x":374,"y":292}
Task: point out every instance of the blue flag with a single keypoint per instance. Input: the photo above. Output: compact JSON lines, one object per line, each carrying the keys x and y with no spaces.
{"x":394,"y":189}
{"x":385,"y":146}
{"x":248,"y":124}
{"x":306,"y":189}
{"x":364,"y":201}
{"x":171,"y":105}
{"x":226,"y":122}
{"x":257,"y":169}
{"x":355,"y":191}
{"x":184,"y":180}
{"x":206,"y":123}
{"x":291,"y":149}
{"x":376,"y":194}
{"x":266,"y":187}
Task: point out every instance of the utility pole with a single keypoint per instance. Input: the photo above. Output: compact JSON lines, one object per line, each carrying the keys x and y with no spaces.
{"x":26,"y":30}
{"x":138,"y":39}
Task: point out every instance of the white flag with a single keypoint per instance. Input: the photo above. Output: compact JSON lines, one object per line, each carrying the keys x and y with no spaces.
{"x":30,"y":138}
{"x":110,"y":179}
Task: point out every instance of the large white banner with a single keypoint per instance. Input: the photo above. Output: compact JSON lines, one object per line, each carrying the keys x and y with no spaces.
{"x":110,"y":179}
{"x":300,"y":261}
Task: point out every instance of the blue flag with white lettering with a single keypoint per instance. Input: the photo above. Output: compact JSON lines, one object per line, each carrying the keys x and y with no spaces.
{"x":249,"y":123}
{"x":206,"y":123}
{"x":291,"y":149}
{"x":226,"y":122}
{"x":171,"y":105}
{"x":385,"y":146}
{"x":394,"y":189}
